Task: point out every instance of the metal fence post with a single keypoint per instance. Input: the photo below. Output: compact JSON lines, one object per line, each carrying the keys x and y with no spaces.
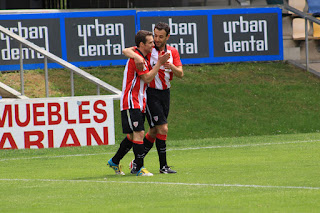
{"x":21,"y":69}
{"x":46,"y":75}
{"x":72,"y":83}
{"x":307,"y":43}
{"x":98,"y":90}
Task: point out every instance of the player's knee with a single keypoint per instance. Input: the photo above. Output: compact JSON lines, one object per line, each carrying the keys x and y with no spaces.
{"x":162,"y":129}
{"x":152,"y":132}
{"x":138,"y":135}
{"x":153,"y":136}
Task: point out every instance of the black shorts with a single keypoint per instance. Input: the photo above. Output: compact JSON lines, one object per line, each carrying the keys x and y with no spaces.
{"x":132,"y":121}
{"x":158,"y":104}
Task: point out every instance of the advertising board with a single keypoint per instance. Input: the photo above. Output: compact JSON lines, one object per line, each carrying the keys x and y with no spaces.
{"x":96,"y":38}
{"x":85,"y":39}
{"x":222,"y":35}
{"x":56,"y":122}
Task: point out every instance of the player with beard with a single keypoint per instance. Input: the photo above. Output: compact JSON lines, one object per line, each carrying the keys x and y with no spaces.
{"x":133,"y":103}
{"x":158,"y":93}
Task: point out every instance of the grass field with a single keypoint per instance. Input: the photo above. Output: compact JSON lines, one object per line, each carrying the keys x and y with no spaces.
{"x":245,"y":174}
{"x":249,"y":143}
{"x":229,"y":100}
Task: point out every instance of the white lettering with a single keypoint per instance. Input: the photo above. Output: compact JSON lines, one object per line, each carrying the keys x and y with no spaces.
{"x":98,"y":30}
{"x":29,"y":33}
{"x":243,"y":26}
{"x":184,"y":29}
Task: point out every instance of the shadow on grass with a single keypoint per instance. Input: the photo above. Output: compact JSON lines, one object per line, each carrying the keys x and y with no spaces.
{"x":105,"y":177}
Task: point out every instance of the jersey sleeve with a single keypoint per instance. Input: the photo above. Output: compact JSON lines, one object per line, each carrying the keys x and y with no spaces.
{"x":176,"y":57}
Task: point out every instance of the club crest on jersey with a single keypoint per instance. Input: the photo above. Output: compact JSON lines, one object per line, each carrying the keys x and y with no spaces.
{"x":135,"y":124}
{"x":155,"y":118}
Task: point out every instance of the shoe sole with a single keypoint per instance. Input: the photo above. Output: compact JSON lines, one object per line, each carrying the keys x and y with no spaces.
{"x":146,"y":175}
{"x":168,"y":172}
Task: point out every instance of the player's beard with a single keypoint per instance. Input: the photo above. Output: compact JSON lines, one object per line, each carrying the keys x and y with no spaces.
{"x":161,"y":46}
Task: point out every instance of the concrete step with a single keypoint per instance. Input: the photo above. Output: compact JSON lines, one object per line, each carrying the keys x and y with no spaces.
{"x":314,"y":50}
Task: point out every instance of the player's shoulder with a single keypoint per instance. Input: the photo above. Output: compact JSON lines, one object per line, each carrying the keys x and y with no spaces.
{"x":172,"y":49}
{"x":136,"y":50}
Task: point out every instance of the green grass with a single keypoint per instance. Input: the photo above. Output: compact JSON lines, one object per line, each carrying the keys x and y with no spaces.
{"x":243,"y":138}
{"x":233,"y":100}
{"x":245,"y":174}
{"x":246,"y":99}
{"x":229,"y":100}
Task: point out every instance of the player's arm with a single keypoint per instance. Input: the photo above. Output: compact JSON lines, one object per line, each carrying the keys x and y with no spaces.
{"x":138,"y":60}
{"x":175,"y":66}
{"x":177,"y":70}
{"x":149,"y":76}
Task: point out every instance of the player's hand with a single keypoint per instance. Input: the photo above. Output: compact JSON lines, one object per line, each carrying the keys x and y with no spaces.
{"x":139,"y":61}
{"x":163,"y":57}
{"x":167,"y":66}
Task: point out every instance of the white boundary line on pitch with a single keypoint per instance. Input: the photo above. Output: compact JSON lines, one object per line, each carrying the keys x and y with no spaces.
{"x":173,"y":149}
{"x":167,"y":183}
{"x":243,"y":145}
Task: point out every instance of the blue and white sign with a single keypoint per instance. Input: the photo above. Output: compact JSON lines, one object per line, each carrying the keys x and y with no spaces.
{"x":96,"y":38}
{"x":82,"y":38}
{"x":217,"y":36}
{"x":253,"y":34}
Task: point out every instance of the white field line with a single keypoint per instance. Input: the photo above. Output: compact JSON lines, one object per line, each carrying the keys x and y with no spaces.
{"x":173,"y":149}
{"x":58,"y":156}
{"x":163,"y":183}
{"x":243,"y":145}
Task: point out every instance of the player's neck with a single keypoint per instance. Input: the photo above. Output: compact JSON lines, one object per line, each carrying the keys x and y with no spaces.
{"x":143,"y":52}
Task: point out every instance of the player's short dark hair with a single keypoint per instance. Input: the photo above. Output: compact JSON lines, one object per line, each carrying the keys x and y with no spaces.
{"x":163,"y":26}
{"x":141,"y":36}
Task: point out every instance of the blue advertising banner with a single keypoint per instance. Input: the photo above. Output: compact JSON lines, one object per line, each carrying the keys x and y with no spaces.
{"x":253,"y":34}
{"x":96,"y":38}
{"x":189,"y":32}
{"x":40,"y":29}
{"x":217,"y":36}
{"x":82,"y":38}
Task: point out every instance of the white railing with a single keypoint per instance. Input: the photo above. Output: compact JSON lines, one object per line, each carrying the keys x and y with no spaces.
{"x":47,"y":55}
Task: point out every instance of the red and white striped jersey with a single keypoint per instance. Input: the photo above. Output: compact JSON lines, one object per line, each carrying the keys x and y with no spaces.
{"x":163,"y":77}
{"x":133,"y":94}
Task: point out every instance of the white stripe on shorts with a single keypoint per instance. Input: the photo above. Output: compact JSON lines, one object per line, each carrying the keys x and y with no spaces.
{"x":150,"y":116}
{"x":129,"y":120}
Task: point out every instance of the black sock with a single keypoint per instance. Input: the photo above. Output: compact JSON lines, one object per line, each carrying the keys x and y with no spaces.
{"x":124,"y":148}
{"x":162,"y":152}
{"x":138,"y":150}
{"x":147,"y":146}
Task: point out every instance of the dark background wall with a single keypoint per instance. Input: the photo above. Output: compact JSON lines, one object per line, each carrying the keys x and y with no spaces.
{"x":82,"y":4}
{"x":74,"y":4}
